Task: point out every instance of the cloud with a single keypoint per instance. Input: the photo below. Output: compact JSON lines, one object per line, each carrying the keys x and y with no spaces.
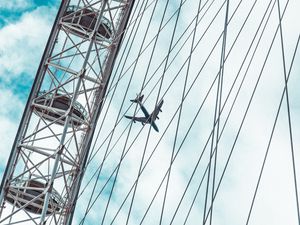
{"x":10,"y":114}
{"x":22,"y":43}
{"x":16,"y":5}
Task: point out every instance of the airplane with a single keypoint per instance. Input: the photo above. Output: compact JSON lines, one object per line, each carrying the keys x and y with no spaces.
{"x":148,"y":118}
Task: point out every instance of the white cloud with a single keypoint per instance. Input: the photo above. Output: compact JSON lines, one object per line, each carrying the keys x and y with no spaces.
{"x":10,"y":112}
{"x":22,"y":43}
{"x":16,"y":5}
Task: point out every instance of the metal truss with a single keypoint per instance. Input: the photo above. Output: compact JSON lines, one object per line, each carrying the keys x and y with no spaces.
{"x":46,"y":165}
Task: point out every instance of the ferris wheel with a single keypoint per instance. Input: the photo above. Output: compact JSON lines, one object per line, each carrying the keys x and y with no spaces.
{"x":161,"y":112}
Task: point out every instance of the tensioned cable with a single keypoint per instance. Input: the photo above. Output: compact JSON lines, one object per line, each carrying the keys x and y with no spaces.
{"x":98,"y":175}
{"x":246,"y":112}
{"x":161,"y":29}
{"x":113,"y":77}
{"x":90,"y":196}
{"x":100,"y":63}
{"x":169,"y":19}
{"x":288,"y":113}
{"x":218,"y":95}
{"x":285,"y":90}
{"x":186,"y":60}
{"x":165,"y":68}
{"x":208,"y":139}
{"x":183,"y":35}
{"x":240,"y":84}
{"x":103,"y":121}
{"x":134,"y":22}
{"x":271,"y":135}
{"x":181,"y":49}
{"x":217,"y":111}
{"x":157,"y":145}
{"x":114,"y":171}
{"x":116,"y":122}
{"x":147,"y":160}
{"x":180,"y":110}
{"x":163,"y":74}
{"x":128,"y":53}
{"x":127,"y":44}
{"x":149,"y":157}
{"x":159,"y":66}
{"x":178,"y":151}
{"x":156,"y":35}
{"x":118,"y":166}
{"x":112,"y":17}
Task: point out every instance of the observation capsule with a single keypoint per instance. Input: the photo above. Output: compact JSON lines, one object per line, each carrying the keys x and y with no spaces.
{"x":82,"y":21}
{"x":31,"y":196}
{"x":53,"y":107}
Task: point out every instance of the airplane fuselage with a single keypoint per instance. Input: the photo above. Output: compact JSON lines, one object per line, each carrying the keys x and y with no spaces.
{"x":148,"y":118}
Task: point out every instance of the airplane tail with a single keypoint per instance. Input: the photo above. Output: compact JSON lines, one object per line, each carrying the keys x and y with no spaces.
{"x":139,"y":98}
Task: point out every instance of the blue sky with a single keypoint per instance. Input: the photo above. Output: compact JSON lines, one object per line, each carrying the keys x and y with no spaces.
{"x":12,"y":14}
{"x":24,"y":29}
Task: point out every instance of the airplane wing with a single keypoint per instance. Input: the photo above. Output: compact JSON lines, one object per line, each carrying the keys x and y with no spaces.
{"x":154,"y":126}
{"x":138,"y":99}
{"x":148,"y":118}
{"x":154,"y":114}
{"x":143,"y":120}
{"x":130,"y":117}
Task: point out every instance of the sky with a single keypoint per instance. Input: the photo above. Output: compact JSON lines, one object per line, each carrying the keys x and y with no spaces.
{"x":25,"y":26}
{"x":24,"y":29}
